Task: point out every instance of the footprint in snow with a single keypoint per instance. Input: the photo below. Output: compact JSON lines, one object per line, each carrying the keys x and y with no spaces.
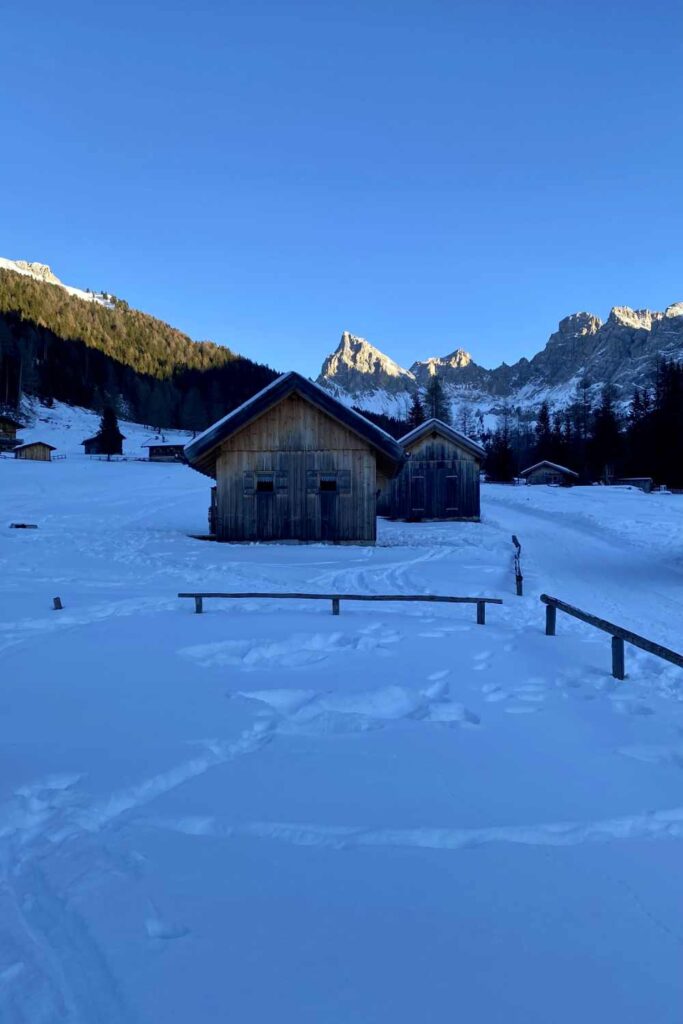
{"x":158,"y":928}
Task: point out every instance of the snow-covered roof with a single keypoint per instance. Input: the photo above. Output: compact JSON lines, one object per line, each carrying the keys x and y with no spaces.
{"x":550,"y":465}
{"x":434,"y":426}
{"x":32,"y":444}
{"x":200,"y":452}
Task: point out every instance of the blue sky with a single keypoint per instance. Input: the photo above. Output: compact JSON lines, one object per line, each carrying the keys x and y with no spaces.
{"x":426,"y":174}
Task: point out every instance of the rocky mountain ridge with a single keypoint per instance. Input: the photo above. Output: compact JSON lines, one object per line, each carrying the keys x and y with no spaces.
{"x":622,"y":351}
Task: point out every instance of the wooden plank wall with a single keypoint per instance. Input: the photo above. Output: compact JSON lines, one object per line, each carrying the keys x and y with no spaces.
{"x":296,"y":443}
{"x":440,"y":480}
{"x":36,"y":453}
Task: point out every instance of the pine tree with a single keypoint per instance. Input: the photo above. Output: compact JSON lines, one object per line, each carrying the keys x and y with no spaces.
{"x":109,"y":434}
{"x":436,"y":401}
{"x":416,"y":413}
{"x":605,"y":445}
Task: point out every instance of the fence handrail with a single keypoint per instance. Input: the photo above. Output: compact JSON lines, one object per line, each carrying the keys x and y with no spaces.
{"x":480,"y":602}
{"x":618,"y":632}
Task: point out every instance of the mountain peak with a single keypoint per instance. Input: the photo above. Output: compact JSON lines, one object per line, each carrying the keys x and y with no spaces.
{"x":358,"y":367}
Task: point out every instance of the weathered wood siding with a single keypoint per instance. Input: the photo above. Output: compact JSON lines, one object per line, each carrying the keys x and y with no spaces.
{"x":440,"y":480}
{"x":37,"y":452}
{"x":271,"y":479}
{"x":546,"y":475}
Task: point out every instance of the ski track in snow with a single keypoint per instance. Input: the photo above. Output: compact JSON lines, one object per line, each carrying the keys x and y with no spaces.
{"x":666,"y":824}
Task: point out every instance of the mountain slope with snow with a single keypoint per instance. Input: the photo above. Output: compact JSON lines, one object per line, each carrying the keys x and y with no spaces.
{"x":623,"y":351}
{"x":41,"y":272}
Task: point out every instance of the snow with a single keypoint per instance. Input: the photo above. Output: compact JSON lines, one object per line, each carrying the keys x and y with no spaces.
{"x":41,"y":272}
{"x":66,"y":427}
{"x":267,"y":813}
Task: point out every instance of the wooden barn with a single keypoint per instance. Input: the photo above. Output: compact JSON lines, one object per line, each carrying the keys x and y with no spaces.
{"x":8,"y":433}
{"x":165,"y":452}
{"x":293,"y":463}
{"x":440,"y":479}
{"x":549,"y":473}
{"x":96,"y":445}
{"x":35,"y":451}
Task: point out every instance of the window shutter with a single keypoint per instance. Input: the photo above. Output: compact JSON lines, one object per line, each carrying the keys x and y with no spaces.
{"x":249,"y":483}
{"x":344,"y":481}
{"x":281,"y":482}
{"x":312,"y":481}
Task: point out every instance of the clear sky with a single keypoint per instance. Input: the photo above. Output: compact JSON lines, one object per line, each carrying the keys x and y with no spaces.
{"x":427,"y":174}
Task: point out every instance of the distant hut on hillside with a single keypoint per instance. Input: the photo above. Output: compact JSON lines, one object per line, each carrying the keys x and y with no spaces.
{"x":293,"y":463}
{"x":98,"y":445}
{"x":35,"y":451}
{"x":8,"y":432}
{"x":165,"y":452}
{"x":549,"y":473}
{"x":440,"y":479}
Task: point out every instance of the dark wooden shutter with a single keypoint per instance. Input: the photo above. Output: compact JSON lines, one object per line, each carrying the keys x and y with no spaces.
{"x":281,"y":482}
{"x":344,"y":481}
{"x":312,"y":481}
{"x":451,"y":493}
{"x":249,"y":483}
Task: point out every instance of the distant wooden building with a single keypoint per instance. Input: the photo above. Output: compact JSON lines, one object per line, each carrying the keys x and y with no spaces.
{"x":35,"y":451}
{"x":549,"y":473}
{"x":95,"y":445}
{"x":293,"y":463}
{"x":8,"y":432}
{"x":643,"y":483}
{"x":440,"y":479}
{"x":165,"y":452}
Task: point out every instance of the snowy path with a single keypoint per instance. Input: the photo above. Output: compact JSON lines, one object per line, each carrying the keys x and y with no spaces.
{"x":267,"y":813}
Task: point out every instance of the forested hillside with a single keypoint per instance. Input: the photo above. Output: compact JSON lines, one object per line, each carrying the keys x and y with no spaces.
{"x":55,"y":346}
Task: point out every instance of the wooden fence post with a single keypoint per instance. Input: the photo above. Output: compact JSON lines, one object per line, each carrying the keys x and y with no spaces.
{"x":550,"y":619}
{"x":481,"y":613}
{"x":198,"y":604}
{"x":618,"y":666}
{"x":335,"y":606}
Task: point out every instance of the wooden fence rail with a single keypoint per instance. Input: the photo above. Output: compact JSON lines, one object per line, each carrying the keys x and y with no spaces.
{"x":336,"y":599}
{"x":618,"y":633}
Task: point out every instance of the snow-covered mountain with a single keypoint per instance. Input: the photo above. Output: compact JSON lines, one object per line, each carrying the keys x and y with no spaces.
{"x":623,"y":351}
{"x":41,"y":272}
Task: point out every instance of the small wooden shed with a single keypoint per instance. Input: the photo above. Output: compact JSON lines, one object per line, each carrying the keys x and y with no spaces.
{"x":440,"y":479}
{"x":96,"y":445}
{"x":293,"y":463}
{"x":35,"y":451}
{"x":8,"y":432}
{"x":165,"y":452}
{"x":549,"y":473}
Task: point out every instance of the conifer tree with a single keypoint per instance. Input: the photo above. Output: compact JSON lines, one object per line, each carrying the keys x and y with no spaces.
{"x":436,"y":401}
{"x":416,"y":413}
{"x":109,"y":434}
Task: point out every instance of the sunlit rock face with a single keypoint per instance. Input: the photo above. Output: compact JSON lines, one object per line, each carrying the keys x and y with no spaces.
{"x":622,"y":351}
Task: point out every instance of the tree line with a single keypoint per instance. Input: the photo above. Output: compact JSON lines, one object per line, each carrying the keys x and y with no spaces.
{"x":597,"y":439}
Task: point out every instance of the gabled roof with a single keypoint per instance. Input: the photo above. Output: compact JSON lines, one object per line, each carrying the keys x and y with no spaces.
{"x":4,"y":418}
{"x":550,"y":465}
{"x":201,"y":451}
{"x":98,"y":437}
{"x":434,"y":426}
{"x":32,"y":444}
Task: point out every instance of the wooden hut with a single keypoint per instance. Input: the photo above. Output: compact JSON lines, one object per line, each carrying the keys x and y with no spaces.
{"x":549,"y":473}
{"x":165,"y":452}
{"x":98,"y":445}
{"x":8,"y":432}
{"x":440,"y":479}
{"x":35,"y":451}
{"x":293,"y":463}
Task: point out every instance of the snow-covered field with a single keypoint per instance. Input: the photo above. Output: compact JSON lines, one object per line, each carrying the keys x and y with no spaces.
{"x":270,"y":814}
